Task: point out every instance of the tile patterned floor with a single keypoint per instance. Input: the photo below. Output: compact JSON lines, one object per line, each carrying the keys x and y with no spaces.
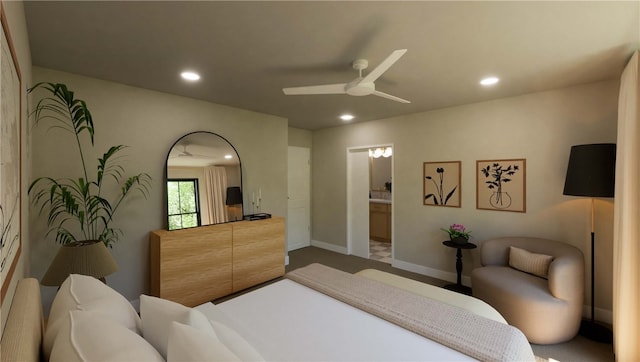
{"x":380,"y":251}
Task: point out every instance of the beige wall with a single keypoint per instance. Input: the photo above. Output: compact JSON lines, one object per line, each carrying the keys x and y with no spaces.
{"x":150,"y":122}
{"x":299,"y":137}
{"x":14,"y":13}
{"x":539,"y":127}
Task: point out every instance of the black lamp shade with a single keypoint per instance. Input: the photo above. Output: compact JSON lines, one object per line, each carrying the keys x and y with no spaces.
{"x":234,"y":195}
{"x":591,"y":171}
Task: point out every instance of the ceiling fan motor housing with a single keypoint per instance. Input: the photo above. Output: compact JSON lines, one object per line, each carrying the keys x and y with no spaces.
{"x":355,"y":88}
{"x":360,"y":64}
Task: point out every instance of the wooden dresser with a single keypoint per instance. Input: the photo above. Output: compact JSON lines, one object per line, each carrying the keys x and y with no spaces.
{"x":196,"y":265}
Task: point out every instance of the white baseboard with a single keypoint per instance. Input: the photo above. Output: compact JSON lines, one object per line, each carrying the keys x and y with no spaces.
{"x":415,"y":268}
{"x":601,"y":315}
{"x":330,"y":247}
{"x":430,"y":272}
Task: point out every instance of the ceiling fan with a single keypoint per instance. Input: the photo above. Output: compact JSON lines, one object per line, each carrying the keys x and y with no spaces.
{"x":357,"y":87}
{"x":185,"y":153}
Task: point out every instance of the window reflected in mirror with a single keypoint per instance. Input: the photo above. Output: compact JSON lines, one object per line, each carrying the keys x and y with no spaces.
{"x":184,"y":208}
{"x":204,"y":182}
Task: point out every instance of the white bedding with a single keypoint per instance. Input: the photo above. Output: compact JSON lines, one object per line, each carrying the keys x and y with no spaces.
{"x":286,"y":321}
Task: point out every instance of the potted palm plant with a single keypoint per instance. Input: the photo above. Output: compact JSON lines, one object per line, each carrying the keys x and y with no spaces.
{"x":80,"y":209}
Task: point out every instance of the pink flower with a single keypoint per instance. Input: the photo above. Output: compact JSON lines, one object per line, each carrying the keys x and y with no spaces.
{"x":458,"y":227}
{"x":456,"y":230}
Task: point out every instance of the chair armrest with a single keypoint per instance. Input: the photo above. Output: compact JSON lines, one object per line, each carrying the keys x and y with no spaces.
{"x":566,"y":278}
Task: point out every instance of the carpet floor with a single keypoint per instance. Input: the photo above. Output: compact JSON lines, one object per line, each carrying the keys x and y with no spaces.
{"x":578,"y":349}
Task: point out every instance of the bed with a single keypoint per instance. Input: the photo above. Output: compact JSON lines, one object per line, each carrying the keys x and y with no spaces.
{"x":299,"y":318}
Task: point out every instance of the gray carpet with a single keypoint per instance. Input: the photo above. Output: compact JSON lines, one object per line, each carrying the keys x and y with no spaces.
{"x":578,"y":349}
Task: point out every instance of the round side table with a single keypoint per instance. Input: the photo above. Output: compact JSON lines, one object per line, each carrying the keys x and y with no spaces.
{"x":458,"y":287}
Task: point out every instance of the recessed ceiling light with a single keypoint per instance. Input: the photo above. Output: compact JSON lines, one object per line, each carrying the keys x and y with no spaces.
{"x":190,"y":76}
{"x":228,"y":157}
{"x":489,"y":81}
{"x":346,"y":117}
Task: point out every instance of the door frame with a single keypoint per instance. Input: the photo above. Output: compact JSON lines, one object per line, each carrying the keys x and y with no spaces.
{"x":307,"y":242}
{"x":351,"y":207}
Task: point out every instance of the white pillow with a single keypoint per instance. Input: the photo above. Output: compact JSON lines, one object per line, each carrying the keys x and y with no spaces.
{"x":89,"y":336}
{"x":81,"y":292}
{"x":188,"y":344}
{"x":230,"y":337}
{"x":528,"y":262}
{"x":235,"y":342}
{"x":157,"y":316}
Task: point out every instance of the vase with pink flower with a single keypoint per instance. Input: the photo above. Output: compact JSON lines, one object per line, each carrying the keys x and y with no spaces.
{"x":458,"y":234}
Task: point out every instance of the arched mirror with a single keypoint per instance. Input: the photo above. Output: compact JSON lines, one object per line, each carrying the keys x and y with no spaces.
{"x":204,"y":181}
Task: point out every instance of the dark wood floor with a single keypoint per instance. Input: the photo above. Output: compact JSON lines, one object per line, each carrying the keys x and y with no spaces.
{"x":349,"y":263}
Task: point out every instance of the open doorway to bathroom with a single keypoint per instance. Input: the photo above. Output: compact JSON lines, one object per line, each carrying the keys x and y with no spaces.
{"x":380,"y":204}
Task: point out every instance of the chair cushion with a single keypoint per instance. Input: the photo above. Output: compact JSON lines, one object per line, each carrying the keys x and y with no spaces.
{"x":526,"y":303}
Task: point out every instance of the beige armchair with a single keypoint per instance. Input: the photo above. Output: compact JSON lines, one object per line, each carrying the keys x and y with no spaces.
{"x":547,"y":310}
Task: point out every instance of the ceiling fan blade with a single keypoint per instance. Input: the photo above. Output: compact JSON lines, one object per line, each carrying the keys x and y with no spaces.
{"x":316,"y":89}
{"x":382,"y":67}
{"x":389,"y":96}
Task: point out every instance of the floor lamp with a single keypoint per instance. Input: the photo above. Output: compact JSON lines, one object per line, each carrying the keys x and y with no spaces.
{"x":591,"y":173}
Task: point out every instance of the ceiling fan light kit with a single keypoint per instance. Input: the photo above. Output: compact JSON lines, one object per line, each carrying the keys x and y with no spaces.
{"x":361,"y":86}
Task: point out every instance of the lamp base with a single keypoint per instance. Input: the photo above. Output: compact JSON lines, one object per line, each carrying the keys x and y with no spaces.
{"x":595,"y":331}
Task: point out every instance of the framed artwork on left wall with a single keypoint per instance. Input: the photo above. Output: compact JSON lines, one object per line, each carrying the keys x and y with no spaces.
{"x":10,"y":158}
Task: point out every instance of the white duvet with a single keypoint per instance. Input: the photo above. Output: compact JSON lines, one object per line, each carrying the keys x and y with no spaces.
{"x":286,"y":321}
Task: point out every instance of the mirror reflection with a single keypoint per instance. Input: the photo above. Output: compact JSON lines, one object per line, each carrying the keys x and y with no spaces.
{"x":380,"y":173}
{"x":204,"y":181}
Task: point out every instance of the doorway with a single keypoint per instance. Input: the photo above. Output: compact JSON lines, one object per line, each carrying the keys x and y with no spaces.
{"x":359,"y":195}
{"x":299,"y":198}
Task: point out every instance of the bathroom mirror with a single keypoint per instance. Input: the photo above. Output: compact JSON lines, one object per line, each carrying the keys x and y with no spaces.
{"x":380,"y":173}
{"x":204,"y":181}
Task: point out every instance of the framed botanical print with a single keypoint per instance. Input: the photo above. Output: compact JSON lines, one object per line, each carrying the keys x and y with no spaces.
{"x":441,"y":182}
{"x":501,"y":185}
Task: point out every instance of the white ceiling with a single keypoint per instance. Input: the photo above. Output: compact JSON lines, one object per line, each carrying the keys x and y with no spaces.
{"x":246,"y":52}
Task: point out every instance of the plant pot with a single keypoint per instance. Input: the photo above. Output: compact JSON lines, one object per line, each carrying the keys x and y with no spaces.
{"x":459,"y":240}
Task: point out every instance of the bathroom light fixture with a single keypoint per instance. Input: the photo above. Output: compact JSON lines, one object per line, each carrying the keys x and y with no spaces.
{"x":489,"y":81}
{"x":381,"y":152}
{"x":346,"y":117}
{"x":190,"y":76}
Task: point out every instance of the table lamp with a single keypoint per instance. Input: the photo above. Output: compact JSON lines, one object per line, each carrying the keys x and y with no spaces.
{"x":86,"y":258}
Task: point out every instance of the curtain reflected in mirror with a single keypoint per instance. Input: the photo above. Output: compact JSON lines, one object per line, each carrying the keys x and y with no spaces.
{"x":204,"y":181}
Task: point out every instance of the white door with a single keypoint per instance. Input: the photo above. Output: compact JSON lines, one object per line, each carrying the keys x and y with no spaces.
{"x":299,"y":200}
{"x":358,"y":202}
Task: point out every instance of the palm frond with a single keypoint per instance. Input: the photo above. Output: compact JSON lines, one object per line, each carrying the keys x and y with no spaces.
{"x":77,"y":202}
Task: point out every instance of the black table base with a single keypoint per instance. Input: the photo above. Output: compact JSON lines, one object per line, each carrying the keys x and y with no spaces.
{"x":458,"y":287}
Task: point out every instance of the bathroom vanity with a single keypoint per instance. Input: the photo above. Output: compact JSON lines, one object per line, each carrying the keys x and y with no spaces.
{"x":380,"y":220}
